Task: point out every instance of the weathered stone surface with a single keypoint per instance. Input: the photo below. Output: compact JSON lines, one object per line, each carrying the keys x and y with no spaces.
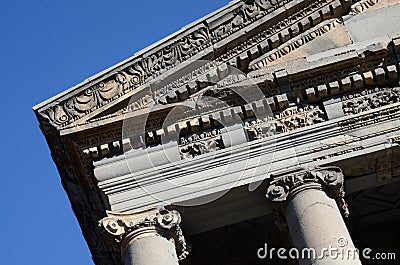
{"x":298,"y":84}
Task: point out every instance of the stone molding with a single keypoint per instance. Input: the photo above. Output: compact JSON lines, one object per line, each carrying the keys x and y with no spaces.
{"x":127,"y":227}
{"x":369,"y":99}
{"x":362,"y":6}
{"x":73,"y":152}
{"x":117,"y":85}
{"x":282,"y":188}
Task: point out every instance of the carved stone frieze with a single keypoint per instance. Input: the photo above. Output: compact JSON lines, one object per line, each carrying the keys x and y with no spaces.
{"x":162,"y":59}
{"x":250,"y":11}
{"x":288,"y":120}
{"x":298,"y":117}
{"x":329,"y":179}
{"x":188,"y":76}
{"x":125,"y":227}
{"x":268,"y":39}
{"x":202,"y":143}
{"x":128,"y":79}
{"x":370,"y":99}
{"x":362,"y":6}
{"x":294,"y":44}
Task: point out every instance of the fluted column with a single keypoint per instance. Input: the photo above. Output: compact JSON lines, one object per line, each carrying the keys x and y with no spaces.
{"x":310,"y":204}
{"x":148,"y":237}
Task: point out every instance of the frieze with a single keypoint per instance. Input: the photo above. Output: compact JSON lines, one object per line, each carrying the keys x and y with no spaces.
{"x":288,"y":120}
{"x":128,"y":79}
{"x":362,"y":6}
{"x":325,"y":78}
{"x":201,"y":143}
{"x":246,"y":14}
{"x":253,"y":42}
{"x":265,"y":38}
{"x":370,"y":99}
{"x":183,"y":80}
{"x":294,"y":44}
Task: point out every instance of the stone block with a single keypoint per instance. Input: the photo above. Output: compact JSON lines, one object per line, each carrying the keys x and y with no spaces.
{"x":346,"y":84}
{"x":392,"y":73}
{"x":192,"y":87}
{"x":334,"y":88}
{"x":358,"y":81}
{"x":264,"y":46}
{"x":254,"y":53}
{"x":322,"y":91}
{"x":104,"y":149}
{"x":311,"y":94}
{"x":182,"y":93}
{"x":223,"y":71}
{"x":282,"y":101}
{"x":274,"y":41}
{"x":380,"y":76}
{"x":369,"y":78}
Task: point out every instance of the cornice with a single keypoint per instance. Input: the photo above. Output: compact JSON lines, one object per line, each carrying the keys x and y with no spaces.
{"x":318,"y":145}
{"x":297,"y":92}
{"x":118,"y":84}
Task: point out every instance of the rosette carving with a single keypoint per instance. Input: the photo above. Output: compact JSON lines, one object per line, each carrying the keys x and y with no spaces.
{"x":329,"y":179}
{"x":128,"y":226}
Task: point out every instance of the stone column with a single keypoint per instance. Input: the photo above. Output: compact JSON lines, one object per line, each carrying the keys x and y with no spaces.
{"x":310,"y":205}
{"x":148,"y":237}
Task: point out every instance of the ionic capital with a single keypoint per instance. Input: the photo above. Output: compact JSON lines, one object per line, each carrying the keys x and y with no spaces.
{"x":127,"y":227}
{"x":283,"y":188}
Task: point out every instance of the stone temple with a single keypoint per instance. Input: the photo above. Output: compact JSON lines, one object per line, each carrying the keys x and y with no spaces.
{"x":268,"y":123}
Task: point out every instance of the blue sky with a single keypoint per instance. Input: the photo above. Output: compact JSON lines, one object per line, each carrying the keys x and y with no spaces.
{"x":47,"y":47}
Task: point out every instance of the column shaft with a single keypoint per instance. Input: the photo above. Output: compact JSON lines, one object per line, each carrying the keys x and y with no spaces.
{"x":150,"y":236}
{"x":151,"y":250}
{"x":315,"y":222}
{"x":309,"y":203}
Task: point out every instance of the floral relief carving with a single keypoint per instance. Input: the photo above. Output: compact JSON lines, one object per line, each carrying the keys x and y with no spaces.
{"x":370,"y":99}
{"x":128,"y":79}
{"x":288,"y":120}
{"x":246,"y":14}
{"x":201,"y":143}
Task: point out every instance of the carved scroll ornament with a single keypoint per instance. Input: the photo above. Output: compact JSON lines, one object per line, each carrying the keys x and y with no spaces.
{"x":329,"y":179}
{"x":128,"y":79}
{"x":127,"y":226}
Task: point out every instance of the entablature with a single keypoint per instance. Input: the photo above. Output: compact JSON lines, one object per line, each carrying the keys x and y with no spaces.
{"x":339,"y":104}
